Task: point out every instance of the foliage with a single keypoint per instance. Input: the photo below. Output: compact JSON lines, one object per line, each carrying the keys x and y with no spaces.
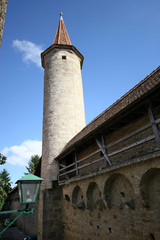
{"x":5,"y":186}
{"x":5,"y":182}
{"x":33,"y":163}
{"x":2,"y":159}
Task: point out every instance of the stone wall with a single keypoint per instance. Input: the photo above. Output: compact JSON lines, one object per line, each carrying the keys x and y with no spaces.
{"x":122,"y":203}
{"x":107,"y":179}
{"x":50,"y":214}
{"x":121,"y":200}
{"x":28,"y":223}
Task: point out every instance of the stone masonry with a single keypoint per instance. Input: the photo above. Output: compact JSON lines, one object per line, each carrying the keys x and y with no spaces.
{"x":63,"y":118}
{"x":63,"y":112}
{"x":3,"y":7}
{"x":110,"y":190}
{"x":122,"y":204}
{"x":101,"y":181}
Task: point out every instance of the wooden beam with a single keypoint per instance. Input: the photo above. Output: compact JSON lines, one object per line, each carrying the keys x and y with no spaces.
{"x":62,"y":165}
{"x":72,"y":170}
{"x":111,"y":154}
{"x":90,"y":163}
{"x":128,"y":136}
{"x":76,"y":163}
{"x":88,"y":156}
{"x":103,"y":150}
{"x":154,"y":125}
{"x":132,"y":145}
{"x":64,"y":168}
{"x":58,"y":173}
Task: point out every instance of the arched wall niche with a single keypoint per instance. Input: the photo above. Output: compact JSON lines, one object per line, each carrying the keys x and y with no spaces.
{"x":119,"y":192}
{"x":150,"y":188}
{"x":78,"y":198}
{"x":94,"y":200}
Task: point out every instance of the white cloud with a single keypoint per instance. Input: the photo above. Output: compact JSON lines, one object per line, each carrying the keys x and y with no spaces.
{"x":31,"y":51}
{"x":20,"y":155}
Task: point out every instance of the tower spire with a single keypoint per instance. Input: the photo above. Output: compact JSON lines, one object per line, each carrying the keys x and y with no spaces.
{"x":61,"y":36}
{"x":61,"y":15}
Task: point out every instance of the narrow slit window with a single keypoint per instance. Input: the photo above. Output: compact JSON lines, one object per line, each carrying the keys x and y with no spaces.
{"x":63,"y":57}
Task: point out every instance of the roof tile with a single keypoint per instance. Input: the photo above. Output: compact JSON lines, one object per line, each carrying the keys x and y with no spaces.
{"x":136,"y":93}
{"x":61,"y":36}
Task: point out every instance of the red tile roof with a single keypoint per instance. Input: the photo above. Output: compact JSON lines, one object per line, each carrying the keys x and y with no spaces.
{"x":61,"y":36}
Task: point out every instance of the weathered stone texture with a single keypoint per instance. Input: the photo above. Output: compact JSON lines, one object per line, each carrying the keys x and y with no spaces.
{"x":113,"y":204}
{"x":3,"y":7}
{"x":27,"y":223}
{"x":63,"y":106}
{"x":109,"y":171}
{"x":50,"y":214}
{"x":121,"y":200}
{"x":63,"y":118}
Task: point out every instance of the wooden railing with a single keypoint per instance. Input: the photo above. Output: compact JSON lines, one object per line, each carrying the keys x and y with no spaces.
{"x":73,"y":169}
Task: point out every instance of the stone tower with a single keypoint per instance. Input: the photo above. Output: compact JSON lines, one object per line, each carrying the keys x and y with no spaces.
{"x":63,"y":117}
{"x":63,"y":111}
{"x":3,"y":7}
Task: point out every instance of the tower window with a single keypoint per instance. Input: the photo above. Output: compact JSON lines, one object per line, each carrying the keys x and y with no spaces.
{"x":63,"y":57}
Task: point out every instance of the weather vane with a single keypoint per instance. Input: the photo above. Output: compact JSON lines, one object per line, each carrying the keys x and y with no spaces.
{"x":61,"y":14}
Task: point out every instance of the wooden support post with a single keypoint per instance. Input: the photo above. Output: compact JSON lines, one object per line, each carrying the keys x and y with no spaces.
{"x":62,"y":165}
{"x":153,"y":123}
{"x":103,"y":143}
{"x":58,"y":172}
{"x":103,"y":150}
{"x":76,"y":163}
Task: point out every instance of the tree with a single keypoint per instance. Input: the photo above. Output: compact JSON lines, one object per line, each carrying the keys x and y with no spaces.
{"x":2,"y":159}
{"x":5,"y":186}
{"x":33,"y":163}
{"x":5,"y":182}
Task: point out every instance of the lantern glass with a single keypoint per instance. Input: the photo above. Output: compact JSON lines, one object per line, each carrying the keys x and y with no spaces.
{"x":29,"y":187}
{"x":30,"y":192}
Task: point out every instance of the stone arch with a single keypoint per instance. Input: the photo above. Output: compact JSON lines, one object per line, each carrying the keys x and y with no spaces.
{"x":94,"y":199}
{"x":77,"y":198}
{"x":150,"y":188}
{"x":118,"y":192}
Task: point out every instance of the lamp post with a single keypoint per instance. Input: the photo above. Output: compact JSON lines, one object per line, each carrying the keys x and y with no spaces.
{"x":28,"y":187}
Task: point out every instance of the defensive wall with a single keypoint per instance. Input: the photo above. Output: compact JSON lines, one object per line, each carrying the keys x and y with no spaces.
{"x":109,"y":173}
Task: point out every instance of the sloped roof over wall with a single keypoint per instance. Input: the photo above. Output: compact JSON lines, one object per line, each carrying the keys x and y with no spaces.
{"x":137,"y":93}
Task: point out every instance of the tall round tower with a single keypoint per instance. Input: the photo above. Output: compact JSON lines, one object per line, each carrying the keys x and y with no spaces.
{"x":3,"y":7}
{"x":63,"y":109}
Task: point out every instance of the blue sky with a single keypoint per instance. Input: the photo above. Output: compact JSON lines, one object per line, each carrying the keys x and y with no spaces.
{"x":120,"y":41}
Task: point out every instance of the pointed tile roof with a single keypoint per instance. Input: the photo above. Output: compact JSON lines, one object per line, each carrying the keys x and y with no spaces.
{"x":61,"y":41}
{"x":61,"y":36}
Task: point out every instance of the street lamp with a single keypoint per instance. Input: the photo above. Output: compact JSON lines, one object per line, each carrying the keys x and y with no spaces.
{"x":28,"y":188}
